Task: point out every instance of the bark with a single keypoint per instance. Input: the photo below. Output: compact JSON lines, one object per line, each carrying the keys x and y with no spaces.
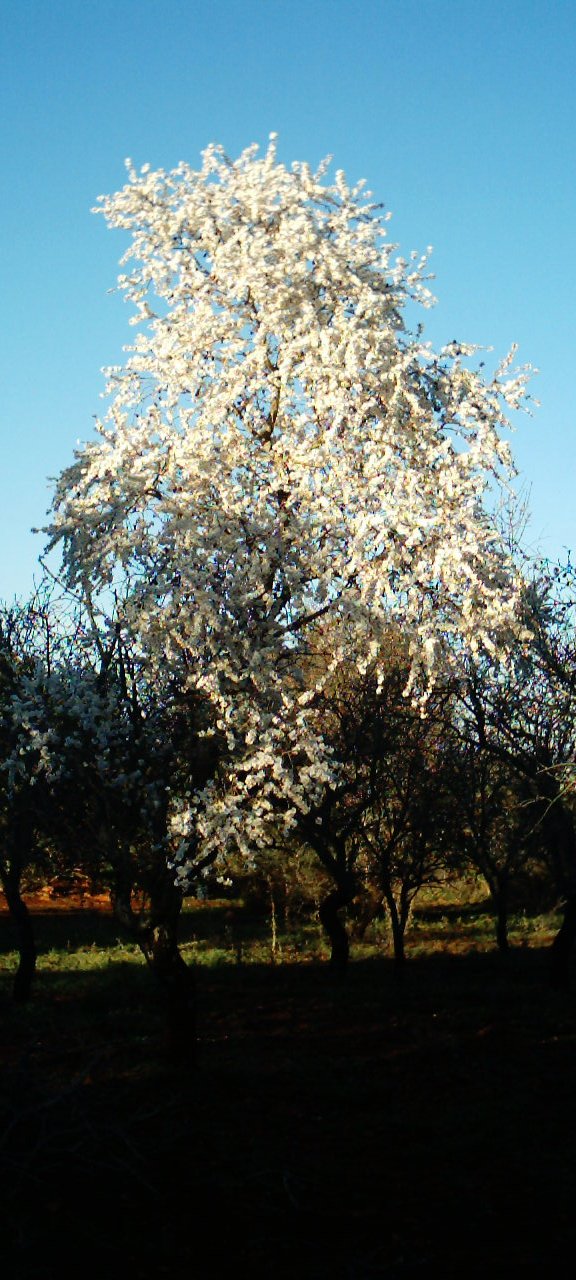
{"x":156,"y":933}
{"x":330,"y":920}
{"x":563,"y":946}
{"x":398,"y":921}
{"x":501,"y":904}
{"x":274,"y":943}
{"x":19,"y":853}
{"x":179,"y":988}
{"x":398,"y":929}
{"x":561,"y":842}
{"x":22,"y":988}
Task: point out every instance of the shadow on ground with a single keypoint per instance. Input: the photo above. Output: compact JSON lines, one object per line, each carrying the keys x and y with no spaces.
{"x":372,"y":1129}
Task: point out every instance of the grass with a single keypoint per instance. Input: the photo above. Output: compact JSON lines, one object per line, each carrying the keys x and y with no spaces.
{"x":453,"y":917}
{"x":377,"y":1128}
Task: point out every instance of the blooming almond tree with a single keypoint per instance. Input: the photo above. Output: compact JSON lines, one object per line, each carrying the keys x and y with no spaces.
{"x":279,"y":446}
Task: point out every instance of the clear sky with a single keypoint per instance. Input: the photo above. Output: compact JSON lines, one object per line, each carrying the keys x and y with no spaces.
{"x":459,"y":113}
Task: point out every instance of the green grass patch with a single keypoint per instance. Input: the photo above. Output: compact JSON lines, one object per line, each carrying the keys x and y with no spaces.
{"x":452,"y":918}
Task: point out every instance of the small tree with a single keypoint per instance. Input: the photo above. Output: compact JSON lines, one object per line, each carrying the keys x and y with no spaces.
{"x":383,"y":823}
{"x":129,"y":751}
{"x":96,"y":761}
{"x":498,"y":816}
{"x":409,"y":827}
{"x":523,"y":713}
{"x":29,"y":698}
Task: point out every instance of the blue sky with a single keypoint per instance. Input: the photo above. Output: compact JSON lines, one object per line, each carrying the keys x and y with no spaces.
{"x":459,"y":113}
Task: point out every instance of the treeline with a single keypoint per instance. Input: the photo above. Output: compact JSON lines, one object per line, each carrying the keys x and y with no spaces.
{"x":119,"y":770}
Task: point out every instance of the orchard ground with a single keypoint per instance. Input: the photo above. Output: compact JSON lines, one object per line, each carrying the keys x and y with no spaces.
{"x":374,"y":1128}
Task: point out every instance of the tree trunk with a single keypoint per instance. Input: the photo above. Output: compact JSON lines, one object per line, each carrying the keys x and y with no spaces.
{"x":161,"y":952}
{"x":340,"y":897}
{"x":500,"y":899}
{"x":156,"y":934}
{"x":274,"y":943}
{"x":562,"y":947}
{"x":560,"y":836}
{"x":22,"y":988}
{"x":398,"y":921}
{"x":398,"y":928}
{"x":19,"y":853}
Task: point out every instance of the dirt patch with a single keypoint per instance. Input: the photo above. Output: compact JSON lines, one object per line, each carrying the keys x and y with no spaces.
{"x":48,"y":901}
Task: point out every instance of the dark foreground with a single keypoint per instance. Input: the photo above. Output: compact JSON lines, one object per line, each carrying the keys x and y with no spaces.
{"x":378,"y":1129}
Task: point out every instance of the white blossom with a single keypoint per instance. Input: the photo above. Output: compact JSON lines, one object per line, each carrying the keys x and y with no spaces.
{"x":279,"y":448}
